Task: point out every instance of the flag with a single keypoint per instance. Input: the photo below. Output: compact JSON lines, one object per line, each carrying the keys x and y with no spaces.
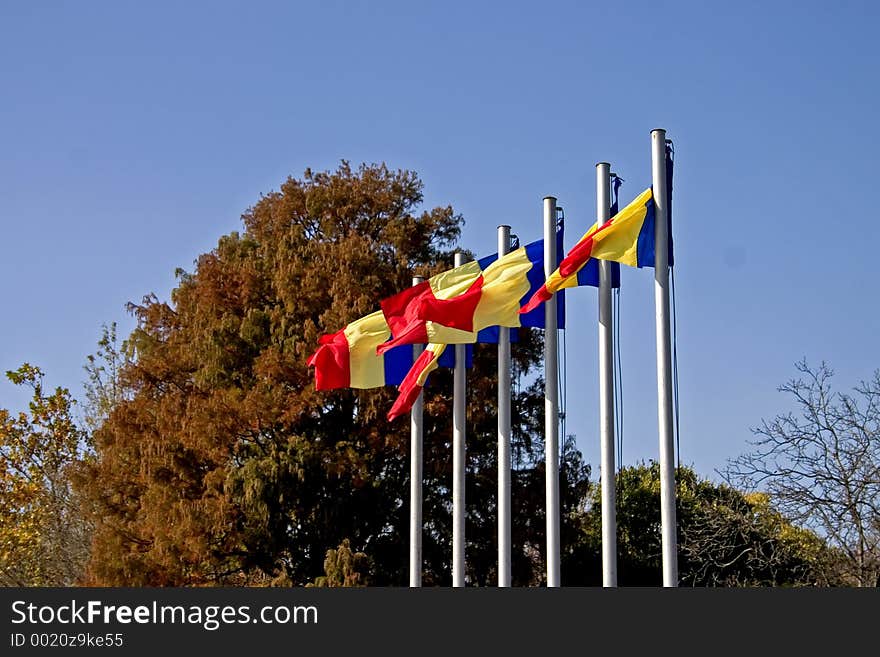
{"x":451,"y":307}
{"x":348,"y":358}
{"x":627,"y":238}
{"x":588,"y":276}
{"x":415,"y":380}
{"x":475,"y":298}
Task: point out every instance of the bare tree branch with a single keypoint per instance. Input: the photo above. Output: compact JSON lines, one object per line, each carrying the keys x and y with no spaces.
{"x":822,"y":467}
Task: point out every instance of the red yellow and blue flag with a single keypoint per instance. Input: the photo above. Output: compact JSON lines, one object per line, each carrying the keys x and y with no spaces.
{"x":627,"y":238}
{"x":348,"y":358}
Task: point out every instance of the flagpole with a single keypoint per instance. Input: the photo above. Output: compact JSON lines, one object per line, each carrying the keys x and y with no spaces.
{"x":458,"y":457}
{"x":416,"y":430}
{"x":503,"y":435}
{"x":664,"y":361}
{"x":606,"y":388}
{"x":551,"y":399}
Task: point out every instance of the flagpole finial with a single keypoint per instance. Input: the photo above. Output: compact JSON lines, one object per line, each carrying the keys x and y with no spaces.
{"x":504,"y":226}
{"x":599,"y":164}
{"x":549,"y":197}
{"x":663,"y":130}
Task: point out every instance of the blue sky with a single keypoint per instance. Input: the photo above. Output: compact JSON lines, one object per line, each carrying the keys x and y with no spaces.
{"x":133,"y":135}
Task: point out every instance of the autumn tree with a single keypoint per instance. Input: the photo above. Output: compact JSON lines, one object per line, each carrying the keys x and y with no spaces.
{"x":821,"y":466}
{"x":44,"y":537}
{"x":219,"y":463}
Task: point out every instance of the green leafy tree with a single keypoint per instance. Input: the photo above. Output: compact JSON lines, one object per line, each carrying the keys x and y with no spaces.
{"x":343,"y":567}
{"x":725,"y":537}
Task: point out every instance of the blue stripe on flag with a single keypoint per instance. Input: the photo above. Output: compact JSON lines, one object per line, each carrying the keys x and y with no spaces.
{"x":397,"y":364}
{"x":399,"y":360}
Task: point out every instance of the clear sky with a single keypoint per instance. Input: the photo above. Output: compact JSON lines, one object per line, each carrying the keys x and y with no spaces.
{"x":134,"y":134}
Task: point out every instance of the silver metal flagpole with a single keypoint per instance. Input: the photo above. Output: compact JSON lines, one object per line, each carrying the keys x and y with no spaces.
{"x":551,"y":399}
{"x":416,"y":431}
{"x":503,"y":435}
{"x":458,"y":457}
{"x":606,"y":388}
{"x":664,"y":361}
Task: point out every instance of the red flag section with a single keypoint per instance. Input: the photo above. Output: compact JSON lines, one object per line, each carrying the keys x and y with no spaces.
{"x":452,"y":307}
{"x":331,"y":362}
{"x":414,"y":381}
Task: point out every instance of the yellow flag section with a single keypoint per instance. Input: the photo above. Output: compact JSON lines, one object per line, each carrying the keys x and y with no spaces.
{"x":363,"y":336}
{"x":618,"y":238}
{"x":505,"y":282}
{"x":435,"y":332}
{"x":454,"y":282}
